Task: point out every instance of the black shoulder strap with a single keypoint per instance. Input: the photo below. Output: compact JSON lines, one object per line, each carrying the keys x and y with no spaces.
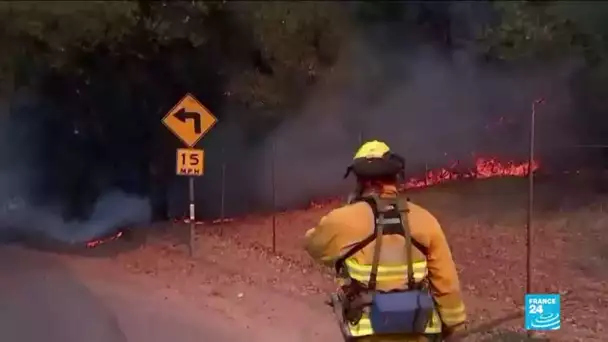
{"x":384,"y":208}
{"x":408,"y":242}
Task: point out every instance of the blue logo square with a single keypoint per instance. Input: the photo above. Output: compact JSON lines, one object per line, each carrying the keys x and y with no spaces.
{"x":542,"y":312}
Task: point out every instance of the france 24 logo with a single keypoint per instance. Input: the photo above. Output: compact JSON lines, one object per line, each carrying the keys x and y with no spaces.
{"x":542,"y":312}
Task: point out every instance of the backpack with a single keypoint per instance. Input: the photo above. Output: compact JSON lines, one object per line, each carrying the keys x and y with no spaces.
{"x":405,"y":311}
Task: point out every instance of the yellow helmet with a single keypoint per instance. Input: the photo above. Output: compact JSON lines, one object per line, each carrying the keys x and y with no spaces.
{"x":372,"y":149}
{"x":374,"y":159}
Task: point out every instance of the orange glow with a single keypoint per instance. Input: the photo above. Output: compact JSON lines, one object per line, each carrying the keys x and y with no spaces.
{"x":484,"y":168}
{"x":95,"y":243}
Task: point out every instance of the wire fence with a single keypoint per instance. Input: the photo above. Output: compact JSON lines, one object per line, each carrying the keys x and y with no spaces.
{"x":428,"y":176}
{"x":278,"y":179}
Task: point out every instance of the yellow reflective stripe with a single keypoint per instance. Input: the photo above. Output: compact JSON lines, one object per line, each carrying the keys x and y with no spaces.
{"x":454,"y":321}
{"x":434,"y":326}
{"x":385,"y":273}
{"x":450,"y":311}
{"x":418,"y":265}
{"x":452,"y":316}
{"x":364,"y":327}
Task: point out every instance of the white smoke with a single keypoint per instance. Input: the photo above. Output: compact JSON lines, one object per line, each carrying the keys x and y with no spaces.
{"x":24,"y":211}
{"x":113,"y":210}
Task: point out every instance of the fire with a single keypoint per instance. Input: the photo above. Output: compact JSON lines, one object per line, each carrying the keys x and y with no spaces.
{"x":220,"y":220}
{"x":95,"y":243}
{"x":484,"y":168}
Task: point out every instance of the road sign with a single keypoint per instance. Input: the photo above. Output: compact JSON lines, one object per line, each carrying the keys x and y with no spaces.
{"x":189,"y":120}
{"x":190,"y":162}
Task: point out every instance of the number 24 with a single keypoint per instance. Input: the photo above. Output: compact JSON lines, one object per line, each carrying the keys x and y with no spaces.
{"x":536,"y":309}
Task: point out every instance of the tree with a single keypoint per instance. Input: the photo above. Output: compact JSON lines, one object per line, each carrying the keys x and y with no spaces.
{"x":529,"y":31}
{"x":108,"y":70}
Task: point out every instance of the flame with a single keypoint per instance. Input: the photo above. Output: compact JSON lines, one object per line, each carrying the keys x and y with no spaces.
{"x":222,"y":220}
{"x":95,"y":243}
{"x":484,"y":168}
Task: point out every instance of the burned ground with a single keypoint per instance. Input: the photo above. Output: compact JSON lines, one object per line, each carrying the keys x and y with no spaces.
{"x":485,"y":222}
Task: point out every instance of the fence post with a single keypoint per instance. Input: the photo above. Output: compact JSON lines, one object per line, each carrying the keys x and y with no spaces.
{"x":530,"y":202}
{"x":274,"y":195}
{"x":223,"y":190}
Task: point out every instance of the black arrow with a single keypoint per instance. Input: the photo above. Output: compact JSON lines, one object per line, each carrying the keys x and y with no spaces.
{"x":182,"y":116}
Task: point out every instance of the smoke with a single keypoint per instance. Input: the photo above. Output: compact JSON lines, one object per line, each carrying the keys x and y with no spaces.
{"x":428,"y":108}
{"x":29,"y":203}
{"x":113,"y":210}
{"x":431,"y":106}
{"x":20,"y":216}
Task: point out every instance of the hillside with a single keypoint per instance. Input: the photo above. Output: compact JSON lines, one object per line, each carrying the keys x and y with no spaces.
{"x":296,"y":87}
{"x":485,"y":224}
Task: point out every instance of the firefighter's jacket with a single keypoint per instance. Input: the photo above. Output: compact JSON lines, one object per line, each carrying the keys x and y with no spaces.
{"x":342,"y":228}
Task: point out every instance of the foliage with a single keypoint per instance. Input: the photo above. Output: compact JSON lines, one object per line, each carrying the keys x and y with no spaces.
{"x":528,"y":30}
{"x":107,"y":70}
{"x":300,"y":42}
{"x":541,"y":30}
{"x":110,"y":69}
{"x":47,"y":31}
{"x":289,"y":46}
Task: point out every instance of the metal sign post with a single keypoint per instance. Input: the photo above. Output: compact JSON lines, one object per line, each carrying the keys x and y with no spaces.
{"x":191,"y":231}
{"x":190,"y":162}
{"x":223,"y":194}
{"x":189,"y":120}
{"x":274,"y":196}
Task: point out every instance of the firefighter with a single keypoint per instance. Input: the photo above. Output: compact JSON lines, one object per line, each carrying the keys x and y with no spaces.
{"x":346,"y":238}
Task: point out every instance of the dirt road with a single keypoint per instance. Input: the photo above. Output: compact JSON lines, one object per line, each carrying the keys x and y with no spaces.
{"x":42,"y":300}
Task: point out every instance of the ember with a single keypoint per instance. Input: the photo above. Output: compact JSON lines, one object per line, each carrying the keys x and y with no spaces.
{"x":484,"y":168}
{"x":222,"y":220}
{"x":216,"y":221}
{"x":95,"y":243}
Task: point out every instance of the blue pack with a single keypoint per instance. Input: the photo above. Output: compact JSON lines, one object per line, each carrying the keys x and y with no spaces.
{"x":403,"y":312}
